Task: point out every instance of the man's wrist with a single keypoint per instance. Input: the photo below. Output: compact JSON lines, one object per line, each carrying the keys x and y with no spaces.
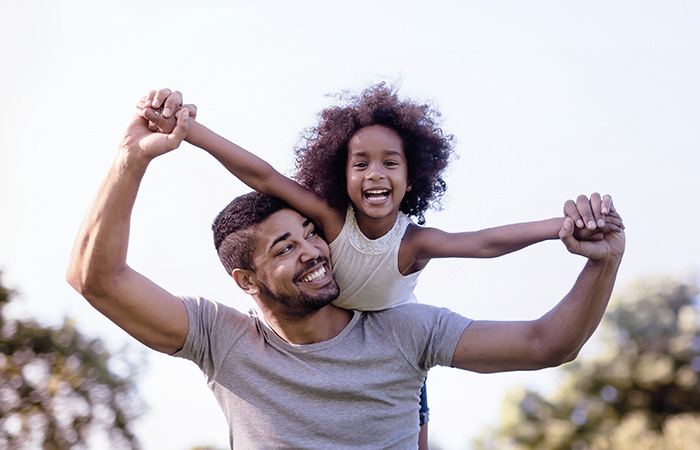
{"x":131,"y":157}
{"x":607,"y":261}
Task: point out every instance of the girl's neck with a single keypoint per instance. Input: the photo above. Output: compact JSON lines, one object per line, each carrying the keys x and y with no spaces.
{"x":375,"y":227}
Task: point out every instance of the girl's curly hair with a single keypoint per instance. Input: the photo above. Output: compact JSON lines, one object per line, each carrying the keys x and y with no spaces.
{"x":321,"y":162}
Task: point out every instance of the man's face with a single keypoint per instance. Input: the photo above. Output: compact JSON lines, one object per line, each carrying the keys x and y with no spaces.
{"x":292,"y":264}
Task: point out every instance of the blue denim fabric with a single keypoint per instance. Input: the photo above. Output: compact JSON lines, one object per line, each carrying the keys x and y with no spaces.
{"x":424,"y":410}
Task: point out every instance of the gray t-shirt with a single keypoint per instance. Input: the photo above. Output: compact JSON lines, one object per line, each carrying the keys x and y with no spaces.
{"x":359,"y":390}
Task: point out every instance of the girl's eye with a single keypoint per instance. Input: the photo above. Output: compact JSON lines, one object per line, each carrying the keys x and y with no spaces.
{"x":391,"y":163}
{"x":360,"y":165}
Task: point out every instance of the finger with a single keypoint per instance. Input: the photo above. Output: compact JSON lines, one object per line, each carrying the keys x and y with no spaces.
{"x":570,"y":210}
{"x":150,"y":114}
{"x":615,"y":219}
{"x":566,"y":234}
{"x":613,"y":228}
{"x":160,"y":97}
{"x":148,"y":98}
{"x":172,"y":102}
{"x":584,"y":208}
{"x":607,"y":205}
{"x":180,"y":131}
{"x":596,"y":203}
{"x":192,"y":109}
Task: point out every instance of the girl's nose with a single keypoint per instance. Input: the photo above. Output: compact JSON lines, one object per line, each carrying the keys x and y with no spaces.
{"x":375,"y":173}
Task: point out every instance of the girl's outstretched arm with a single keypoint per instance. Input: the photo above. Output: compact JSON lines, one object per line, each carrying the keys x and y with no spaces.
{"x":431,"y":243}
{"x":594,"y":219}
{"x":262,"y":177}
{"x":247,"y":167}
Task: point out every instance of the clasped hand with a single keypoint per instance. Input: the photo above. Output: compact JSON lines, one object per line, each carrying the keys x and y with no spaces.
{"x":593,"y":228}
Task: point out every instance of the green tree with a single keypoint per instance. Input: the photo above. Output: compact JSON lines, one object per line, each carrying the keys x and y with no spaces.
{"x":641,"y":391}
{"x":56,"y":390}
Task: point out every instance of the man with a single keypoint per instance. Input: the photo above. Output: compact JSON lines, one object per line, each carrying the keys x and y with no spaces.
{"x":303,"y":373}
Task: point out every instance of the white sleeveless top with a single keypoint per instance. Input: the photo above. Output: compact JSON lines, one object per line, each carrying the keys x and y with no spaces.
{"x":367,"y":270}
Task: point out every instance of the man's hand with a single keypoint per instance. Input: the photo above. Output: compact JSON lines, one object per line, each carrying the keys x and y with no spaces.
{"x":603,"y":235}
{"x":593,"y":218}
{"x":140,"y":139}
{"x":160,"y":108}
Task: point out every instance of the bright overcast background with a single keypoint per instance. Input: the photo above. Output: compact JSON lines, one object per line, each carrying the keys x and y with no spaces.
{"x":546,"y":99}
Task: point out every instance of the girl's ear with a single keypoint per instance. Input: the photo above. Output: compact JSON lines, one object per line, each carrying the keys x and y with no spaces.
{"x":246,"y":280}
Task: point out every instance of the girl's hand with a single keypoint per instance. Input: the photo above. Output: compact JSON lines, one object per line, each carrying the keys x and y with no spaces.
{"x":594,"y":217}
{"x":160,"y":108}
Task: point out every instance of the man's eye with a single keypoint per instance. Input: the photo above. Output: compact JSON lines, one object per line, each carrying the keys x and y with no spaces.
{"x":285,"y":249}
{"x":311,"y":234}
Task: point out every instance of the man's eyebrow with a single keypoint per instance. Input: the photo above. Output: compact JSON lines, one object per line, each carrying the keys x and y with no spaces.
{"x":286,"y":235}
{"x":280,"y":239}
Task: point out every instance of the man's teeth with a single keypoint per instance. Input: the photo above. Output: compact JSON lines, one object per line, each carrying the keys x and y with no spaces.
{"x":314,"y":276}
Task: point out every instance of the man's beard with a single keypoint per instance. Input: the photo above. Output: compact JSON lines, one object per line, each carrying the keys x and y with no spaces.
{"x":303,"y":303}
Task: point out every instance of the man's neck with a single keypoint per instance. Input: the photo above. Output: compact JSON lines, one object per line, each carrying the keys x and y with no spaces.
{"x":323,"y":325}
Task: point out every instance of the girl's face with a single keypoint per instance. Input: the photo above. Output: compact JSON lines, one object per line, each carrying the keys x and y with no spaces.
{"x":376,"y":172}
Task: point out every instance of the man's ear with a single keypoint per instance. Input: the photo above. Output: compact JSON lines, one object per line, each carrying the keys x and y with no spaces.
{"x":246,"y":280}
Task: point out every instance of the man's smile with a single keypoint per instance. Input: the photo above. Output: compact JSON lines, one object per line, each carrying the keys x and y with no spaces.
{"x":314,"y":275}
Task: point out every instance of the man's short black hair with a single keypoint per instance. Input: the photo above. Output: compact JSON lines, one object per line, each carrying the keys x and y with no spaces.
{"x":234,"y":236}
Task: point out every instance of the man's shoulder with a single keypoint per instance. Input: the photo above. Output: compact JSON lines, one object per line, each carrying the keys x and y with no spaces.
{"x":410,"y":308}
{"x":414,"y":313}
{"x":212,"y":309}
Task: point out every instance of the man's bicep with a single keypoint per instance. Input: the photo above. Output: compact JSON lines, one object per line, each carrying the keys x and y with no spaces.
{"x":146,"y":311}
{"x":488,"y":347}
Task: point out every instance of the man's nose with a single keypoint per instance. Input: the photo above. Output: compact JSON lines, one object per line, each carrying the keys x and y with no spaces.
{"x":309,"y":251}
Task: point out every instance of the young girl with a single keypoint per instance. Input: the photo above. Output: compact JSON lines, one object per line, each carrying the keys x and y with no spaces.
{"x":371,"y":164}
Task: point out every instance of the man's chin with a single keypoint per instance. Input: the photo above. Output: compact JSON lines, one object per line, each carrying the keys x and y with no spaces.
{"x":319,"y":293}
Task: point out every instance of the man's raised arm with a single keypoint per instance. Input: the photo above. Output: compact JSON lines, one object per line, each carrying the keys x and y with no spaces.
{"x":559,"y":335}
{"x":97,"y":267}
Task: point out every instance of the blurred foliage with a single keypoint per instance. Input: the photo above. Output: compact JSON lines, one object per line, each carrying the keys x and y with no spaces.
{"x":56,"y":388}
{"x":641,"y":392}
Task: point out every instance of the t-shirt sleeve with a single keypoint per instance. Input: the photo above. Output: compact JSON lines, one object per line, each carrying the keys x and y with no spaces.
{"x":426,"y":335}
{"x":213,"y":329}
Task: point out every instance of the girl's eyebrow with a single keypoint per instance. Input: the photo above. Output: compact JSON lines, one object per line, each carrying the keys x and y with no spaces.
{"x":360,"y":154}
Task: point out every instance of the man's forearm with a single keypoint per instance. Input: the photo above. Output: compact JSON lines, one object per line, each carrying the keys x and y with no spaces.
{"x":566,"y":328}
{"x":100,"y":249}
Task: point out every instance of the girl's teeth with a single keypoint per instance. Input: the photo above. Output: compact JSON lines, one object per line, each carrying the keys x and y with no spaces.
{"x":377,"y":193}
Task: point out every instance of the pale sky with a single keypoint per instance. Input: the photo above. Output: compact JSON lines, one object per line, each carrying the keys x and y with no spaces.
{"x":547,"y":100}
